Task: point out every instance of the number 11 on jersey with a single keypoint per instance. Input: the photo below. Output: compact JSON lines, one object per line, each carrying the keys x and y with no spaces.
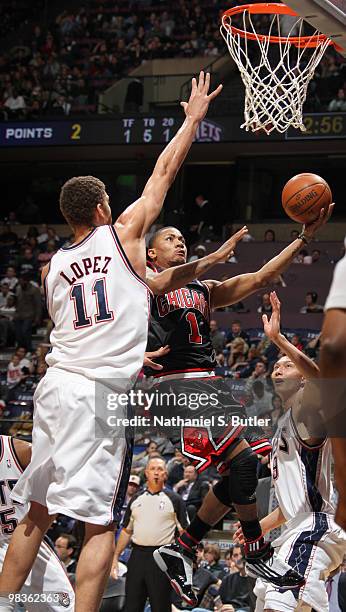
{"x":103,"y":314}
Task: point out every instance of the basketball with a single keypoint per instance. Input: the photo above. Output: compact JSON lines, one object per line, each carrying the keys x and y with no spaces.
{"x":304,"y":195}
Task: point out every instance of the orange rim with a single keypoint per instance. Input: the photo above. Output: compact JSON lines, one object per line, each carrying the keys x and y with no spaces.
{"x":271,"y":8}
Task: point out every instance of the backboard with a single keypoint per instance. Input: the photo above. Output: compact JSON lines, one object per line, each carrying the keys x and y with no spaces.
{"x":328,"y":16}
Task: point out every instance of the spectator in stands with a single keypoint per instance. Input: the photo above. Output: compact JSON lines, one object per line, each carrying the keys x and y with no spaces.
{"x":24,"y":362}
{"x":259,"y":373}
{"x":132,"y":488}
{"x":15,"y":104}
{"x":65,"y":546}
{"x":175,"y":467}
{"x":8,"y":238}
{"x":237,"y":332}
{"x":265,"y":307}
{"x":47,"y":254}
{"x":294,"y":235}
{"x":14,"y":371}
{"x":269,"y":235}
{"x":10,"y":278}
{"x":296,"y":341}
{"x":252,"y":358}
{"x":202,"y":219}
{"x":217,"y":337}
{"x":212,"y":556}
{"x":199,"y":252}
{"x":315,"y":256}
{"x":4,"y":292}
{"x":235,"y":587}
{"x":338,"y":103}
{"x":7,"y":312}
{"x":140,"y":461}
{"x":238,"y":351}
{"x":28,"y":311}
{"x":192,"y":488}
{"x":43,"y":236}
{"x":27,"y":263}
{"x":276,"y":412}
{"x":311,"y":304}
{"x":260,"y":402}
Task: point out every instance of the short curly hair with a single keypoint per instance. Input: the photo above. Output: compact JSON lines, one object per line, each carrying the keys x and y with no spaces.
{"x":79,"y":197}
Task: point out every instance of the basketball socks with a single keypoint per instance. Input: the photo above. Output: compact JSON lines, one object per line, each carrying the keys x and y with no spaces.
{"x":254,"y":540}
{"x":194,"y":533}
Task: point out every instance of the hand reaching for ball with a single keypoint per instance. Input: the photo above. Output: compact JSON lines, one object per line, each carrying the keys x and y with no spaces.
{"x":311,"y":228}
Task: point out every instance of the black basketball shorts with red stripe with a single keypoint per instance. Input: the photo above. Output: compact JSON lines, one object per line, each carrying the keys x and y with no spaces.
{"x":201,"y":418}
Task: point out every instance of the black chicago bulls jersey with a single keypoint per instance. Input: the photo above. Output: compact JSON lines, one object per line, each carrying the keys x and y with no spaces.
{"x":181,"y":318}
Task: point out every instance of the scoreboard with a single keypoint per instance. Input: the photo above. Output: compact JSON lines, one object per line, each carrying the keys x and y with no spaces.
{"x":156,"y":130}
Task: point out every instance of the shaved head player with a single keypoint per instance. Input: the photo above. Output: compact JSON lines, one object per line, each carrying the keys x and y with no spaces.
{"x":98,"y":301}
{"x":312,"y":543}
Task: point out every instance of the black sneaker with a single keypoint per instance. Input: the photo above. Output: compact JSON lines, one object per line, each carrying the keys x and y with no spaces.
{"x":258,"y":566}
{"x":177,"y":564}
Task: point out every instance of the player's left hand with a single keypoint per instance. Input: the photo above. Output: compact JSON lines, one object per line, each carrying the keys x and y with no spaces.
{"x":310,"y":229}
{"x":226,"y":250}
{"x":272,"y":326}
{"x":150,"y":355}
{"x":199,"y":100}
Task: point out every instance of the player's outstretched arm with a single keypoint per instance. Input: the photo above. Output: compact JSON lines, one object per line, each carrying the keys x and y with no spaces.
{"x":139,"y":217}
{"x":178,"y":276}
{"x":240,"y":287}
{"x":271,"y":521}
{"x":306,"y":367}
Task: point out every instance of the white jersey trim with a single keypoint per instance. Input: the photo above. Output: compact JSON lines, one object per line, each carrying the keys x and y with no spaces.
{"x":126,"y":260}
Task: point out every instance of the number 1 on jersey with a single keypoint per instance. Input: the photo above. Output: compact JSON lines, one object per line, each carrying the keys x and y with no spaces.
{"x":78,"y":296}
{"x":194,"y":337}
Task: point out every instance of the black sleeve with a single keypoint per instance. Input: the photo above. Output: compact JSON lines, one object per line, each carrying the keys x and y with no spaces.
{"x":179,"y":508}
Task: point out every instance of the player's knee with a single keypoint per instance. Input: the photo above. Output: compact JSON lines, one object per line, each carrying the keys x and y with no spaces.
{"x":243,"y":478}
{"x":222,"y":492}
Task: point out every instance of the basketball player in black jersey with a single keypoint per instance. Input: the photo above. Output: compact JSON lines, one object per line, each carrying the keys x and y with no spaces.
{"x":180,"y":319}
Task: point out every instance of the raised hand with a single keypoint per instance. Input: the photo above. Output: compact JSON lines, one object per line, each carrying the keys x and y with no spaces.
{"x":226,"y":250}
{"x":310,"y":229}
{"x":272,"y":326}
{"x":199,"y":101}
{"x":150,"y":355}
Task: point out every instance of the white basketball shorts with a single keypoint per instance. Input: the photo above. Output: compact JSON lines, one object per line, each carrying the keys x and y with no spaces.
{"x":314,"y":546}
{"x":47,"y":583}
{"x":71,"y":471}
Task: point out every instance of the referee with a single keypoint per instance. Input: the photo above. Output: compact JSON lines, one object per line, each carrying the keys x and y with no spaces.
{"x":152,"y":519}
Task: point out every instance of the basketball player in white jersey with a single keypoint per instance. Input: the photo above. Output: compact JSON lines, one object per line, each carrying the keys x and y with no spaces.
{"x":312,"y":542}
{"x":99,"y":304}
{"x":333,"y":372}
{"x":48,"y":575}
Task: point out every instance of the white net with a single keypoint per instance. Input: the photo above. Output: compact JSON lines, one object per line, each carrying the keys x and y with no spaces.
{"x":276,"y":75}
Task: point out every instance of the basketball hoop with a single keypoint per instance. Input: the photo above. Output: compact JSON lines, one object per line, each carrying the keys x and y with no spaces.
{"x":276,"y":84}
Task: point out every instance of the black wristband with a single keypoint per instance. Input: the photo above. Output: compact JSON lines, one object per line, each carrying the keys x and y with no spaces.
{"x":303,"y":238}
